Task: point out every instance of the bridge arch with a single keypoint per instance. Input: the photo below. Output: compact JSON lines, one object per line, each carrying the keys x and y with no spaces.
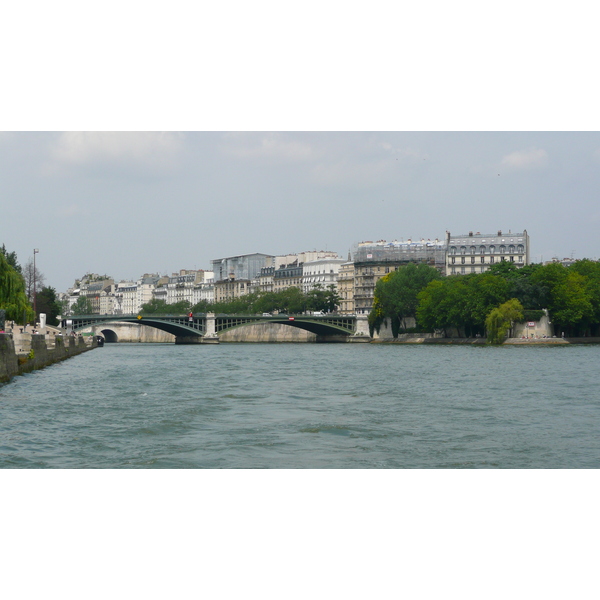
{"x":110,"y":336}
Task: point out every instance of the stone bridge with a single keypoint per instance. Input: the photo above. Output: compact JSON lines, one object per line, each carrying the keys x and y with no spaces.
{"x":205,"y":327}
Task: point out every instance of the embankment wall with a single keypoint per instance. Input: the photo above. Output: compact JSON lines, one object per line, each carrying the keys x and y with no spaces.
{"x":40,"y":356}
{"x":267,"y":332}
{"x":132,"y":333}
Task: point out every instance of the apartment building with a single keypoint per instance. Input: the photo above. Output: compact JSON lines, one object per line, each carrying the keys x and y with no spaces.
{"x":287,"y":276}
{"x":476,"y":252}
{"x":345,"y":283}
{"x":230,"y":288}
{"x":321,"y":272}
{"x":374,"y":260}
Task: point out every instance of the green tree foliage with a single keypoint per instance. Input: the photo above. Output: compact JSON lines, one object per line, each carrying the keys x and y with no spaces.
{"x":461,"y":302}
{"x":464,"y":302}
{"x":13,"y":298}
{"x":83,"y":306}
{"x":290,"y":301}
{"x":48,"y":304}
{"x":396,"y":294}
{"x":11,"y":259}
{"x":160,"y":307}
{"x":320,"y":299}
{"x":570,"y":297}
{"x":590,"y":270}
{"x":500,"y":320}
{"x":532,"y":295}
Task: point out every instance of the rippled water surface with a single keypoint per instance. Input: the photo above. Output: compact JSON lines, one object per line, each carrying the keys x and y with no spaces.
{"x":306,"y":406}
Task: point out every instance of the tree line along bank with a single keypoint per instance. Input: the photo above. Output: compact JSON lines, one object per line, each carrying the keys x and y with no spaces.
{"x":416,"y":298}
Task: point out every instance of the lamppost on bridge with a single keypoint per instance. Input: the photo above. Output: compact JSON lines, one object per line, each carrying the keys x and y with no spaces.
{"x":35,"y":251}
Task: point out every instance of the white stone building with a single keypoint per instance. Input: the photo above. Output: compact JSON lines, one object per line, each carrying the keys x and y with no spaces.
{"x":476,"y":252}
{"x":321,"y":272}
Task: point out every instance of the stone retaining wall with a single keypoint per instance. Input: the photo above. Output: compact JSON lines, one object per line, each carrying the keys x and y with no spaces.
{"x":40,"y":355}
{"x":267,"y":332}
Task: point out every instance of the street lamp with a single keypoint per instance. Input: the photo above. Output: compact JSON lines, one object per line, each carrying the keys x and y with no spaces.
{"x":35,"y":251}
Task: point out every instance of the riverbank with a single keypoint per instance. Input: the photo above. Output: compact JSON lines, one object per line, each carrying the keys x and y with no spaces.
{"x":415,"y":338}
{"x":39,"y":352}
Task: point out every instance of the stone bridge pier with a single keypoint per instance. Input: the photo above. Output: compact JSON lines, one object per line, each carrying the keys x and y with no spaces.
{"x":210,"y":334}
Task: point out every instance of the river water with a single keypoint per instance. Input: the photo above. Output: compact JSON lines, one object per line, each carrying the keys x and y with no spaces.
{"x":307,"y":406}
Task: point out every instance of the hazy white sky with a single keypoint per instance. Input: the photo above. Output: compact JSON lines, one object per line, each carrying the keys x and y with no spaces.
{"x":129,"y":203}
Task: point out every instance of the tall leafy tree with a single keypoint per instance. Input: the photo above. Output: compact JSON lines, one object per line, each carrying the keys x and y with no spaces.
{"x":13,"y":298}
{"x":396,"y":294}
{"x":570,"y":299}
{"x":47,"y":303}
{"x":500,"y":319}
{"x":83,"y":306}
{"x":11,"y":259}
{"x":590,"y":269}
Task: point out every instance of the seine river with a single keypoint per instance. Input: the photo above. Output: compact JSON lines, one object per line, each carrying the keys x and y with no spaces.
{"x":357,"y":406}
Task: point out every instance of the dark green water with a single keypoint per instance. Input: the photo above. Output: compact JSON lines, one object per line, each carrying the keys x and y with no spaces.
{"x":306,"y":406}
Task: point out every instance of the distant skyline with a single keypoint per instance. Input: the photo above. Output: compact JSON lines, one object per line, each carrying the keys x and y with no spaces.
{"x":129,"y":203}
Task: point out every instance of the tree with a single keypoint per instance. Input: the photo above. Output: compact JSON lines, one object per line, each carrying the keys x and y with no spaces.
{"x":441,"y":304}
{"x":570,"y":297}
{"x":13,"y":298}
{"x":11,"y":259}
{"x":396,"y":294}
{"x":160,"y":307}
{"x":34,"y":279}
{"x":320,"y":299}
{"x":485,"y":291}
{"x":83,"y":306}
{"x":500,"y":319}
{"x":461,"y":302}
{"x":48,"y":304}
{"x":590,"y":269}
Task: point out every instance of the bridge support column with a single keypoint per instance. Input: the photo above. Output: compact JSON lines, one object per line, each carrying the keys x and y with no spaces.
{"x":210,"y":330}
{"x":362,"y":333}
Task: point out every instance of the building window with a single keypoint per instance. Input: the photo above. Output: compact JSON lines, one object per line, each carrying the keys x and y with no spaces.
{"x":463,"y":249}
{"x":483,"y":259}
{"x":473,"y":249}
{"x":520,"y":259}
{"x":472,"y":259}
{"x":492,"y":260}
{"x":453,"y":259}
{"x":462,"y":260}
{"x":452,"y":249}
{"x":492,"y":249}
{"x":512,"y":259}
{"x":511,"y":249}
{"x":520,"y":248}
{"x":462,"y":270}
{"x":453,"y":270}
{"x":503,"y":249}
{"x":481,"y":249}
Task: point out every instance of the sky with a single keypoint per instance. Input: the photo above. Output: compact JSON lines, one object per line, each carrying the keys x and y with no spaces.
{"x":129,"y":203}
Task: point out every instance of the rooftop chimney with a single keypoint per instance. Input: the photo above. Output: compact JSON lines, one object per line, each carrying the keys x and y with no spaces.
{"x":499,"y":233}
{"x":470,"y":234}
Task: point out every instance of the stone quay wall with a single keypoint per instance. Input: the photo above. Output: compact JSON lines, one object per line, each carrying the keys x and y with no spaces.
{"x":130,"y":333}
{"x":40,"y":355}
{"x":267,"y":332}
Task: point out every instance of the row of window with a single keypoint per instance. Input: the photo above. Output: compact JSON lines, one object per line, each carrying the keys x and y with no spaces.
{"x":482,"y":259}
{"x":490,"y":249}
